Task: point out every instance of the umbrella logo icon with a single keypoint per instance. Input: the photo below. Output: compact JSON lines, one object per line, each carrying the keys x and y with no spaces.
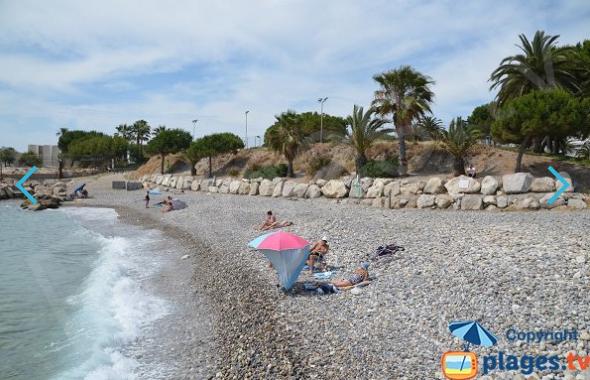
{"x":462,"y":365}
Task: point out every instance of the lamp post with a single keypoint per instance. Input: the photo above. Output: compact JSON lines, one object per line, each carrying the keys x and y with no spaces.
{"x":259,"y":141}
{"x":322,"y":101}
{"x":194,"y":127}
{"x":246,"y":139}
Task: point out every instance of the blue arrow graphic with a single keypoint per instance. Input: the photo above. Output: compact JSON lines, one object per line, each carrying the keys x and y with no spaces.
{"x":19,"y":185}
{"x":561,"y":189}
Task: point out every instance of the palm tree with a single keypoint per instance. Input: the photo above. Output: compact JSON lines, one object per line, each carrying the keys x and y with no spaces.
{"x":459,"y":141}
{"x":125,"y":131}
{"x":160,"y":128}
{"x":541,"y":65}
{"x":364,"y":130}
{"x":287,"y":138}
{"x":140,"y":130}
{"x":406,"y":95}
{"x":431,"y":126}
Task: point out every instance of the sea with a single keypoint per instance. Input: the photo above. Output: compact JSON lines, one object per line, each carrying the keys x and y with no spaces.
{"x":73,"y":298}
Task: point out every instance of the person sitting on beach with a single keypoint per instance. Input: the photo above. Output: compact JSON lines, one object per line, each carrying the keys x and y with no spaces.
{"x":271,"y":222}
{"x":471,"y":171}
{"x":360,"y":274}
{"x":317,"y":253}
{"x":167,"y":204}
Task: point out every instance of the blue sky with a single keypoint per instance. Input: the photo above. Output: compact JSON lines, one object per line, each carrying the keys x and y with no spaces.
{"x":96,"y":64}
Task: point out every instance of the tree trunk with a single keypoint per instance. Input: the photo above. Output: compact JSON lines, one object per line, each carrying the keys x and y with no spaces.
{"x":210,"y":168}
{"x":290,"y":172}
{"x":359,"y":162}
{"x":537,"y":145}
{"x":458,"y":166}
{"x":403,"y":162}
{"x":193,"y":169}
{"x":162,"y":163}
{"x":525,"y":143}
{"x":60,"y":172}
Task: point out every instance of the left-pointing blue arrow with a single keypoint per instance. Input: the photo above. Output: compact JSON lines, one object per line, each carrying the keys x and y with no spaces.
{"x":19,"y":185}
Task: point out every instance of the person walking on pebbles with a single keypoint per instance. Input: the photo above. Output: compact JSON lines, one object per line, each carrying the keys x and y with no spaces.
{"x":147,"y":199}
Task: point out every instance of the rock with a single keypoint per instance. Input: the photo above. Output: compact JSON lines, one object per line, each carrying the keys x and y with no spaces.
{"x":443,"y":201}
{"x":491,"y":208}
{"x":159,"y":180}
{"x":395,"y":201}
{"x":224,"y":188}
{"x":234,"y":186}
{"x":356,"y":291}
{"x":502,"y":201}
{"x":187,"y":182}
{"x":489,"y":185}
{"x":543,"y":185}
{"x":166,"y":180}
{"x":434,"y":186}
{"x":366,"y":182}
{"x":278,"y":190}
{"x":462,"y":184}
{"x":377,"y":202}
{"x":568,"y":178}
{"x":266,"y":188}
{"x":288,"y":188}
{"x":185,"y":257}
{"x":576,"y":204}
{"x":244,"y":188}
{"x":525,"y":203}
{"x":425,"y":200}
{"x":409,"y":201}
{"x":471,"y":202}
{"x":195,"y":186}
{"x":413,"y":188}
{"x":300,"y":189}
{"x":313,"y":191}
{"x":376,"y":190}
{"x":544,"y":201}
{"x":489,"y":200}
{"x":119,"y":185}
{"x":320,"y":182}
{"x":254,"y":188}
{"x":213,"y":189}
{"x":334,"y":189}
{"x":517,"y":183}
{"x":392,"y":189}
{"x":277,"y":180}
{"x":172,"y":181}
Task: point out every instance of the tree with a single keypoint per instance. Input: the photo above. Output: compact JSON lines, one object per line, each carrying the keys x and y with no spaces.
{"x":286,"y":138}
{"x":431,"y":126}
{"x":459,"y":141}
{"x":555,"y":113}
{"x":404,"y":94}
{"x":212,"y":145}
{"x":541,"y":65}
{"x":7,"y":156}
{"x":125,"y":131}
{"x":482,"y":118}
{"x":169,"y":141}
{"x":160,"y":128}
{"x":309,"y":122}
{"x":29,"y":159}
{"x":580,"y":65}
{"x":364,"y":131}
{"x":141,"y":132}
{"x":98,"y":150}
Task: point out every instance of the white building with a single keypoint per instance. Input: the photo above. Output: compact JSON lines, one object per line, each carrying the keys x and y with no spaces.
{"x":47,"y":153}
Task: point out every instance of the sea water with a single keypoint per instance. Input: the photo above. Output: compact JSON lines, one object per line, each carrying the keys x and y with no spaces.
{"x":71,"y":293}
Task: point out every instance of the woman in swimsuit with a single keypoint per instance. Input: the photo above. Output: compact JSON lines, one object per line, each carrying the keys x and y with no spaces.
{"x":359,"y":275}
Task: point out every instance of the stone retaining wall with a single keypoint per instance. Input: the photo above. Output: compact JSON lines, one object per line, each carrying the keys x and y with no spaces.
{"x":520,"y":191}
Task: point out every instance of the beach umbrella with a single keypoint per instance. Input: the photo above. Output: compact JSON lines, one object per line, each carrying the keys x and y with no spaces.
{"x":79,"y":188}
{"x":286,"y":251}
{"x":473,"y":333}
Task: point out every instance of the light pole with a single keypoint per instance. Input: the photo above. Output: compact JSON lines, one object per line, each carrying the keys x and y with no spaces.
{"x":322,"y":101}
{"x":259,"y":141}
{"x":194,"y":127}
{"x":246,"y":139}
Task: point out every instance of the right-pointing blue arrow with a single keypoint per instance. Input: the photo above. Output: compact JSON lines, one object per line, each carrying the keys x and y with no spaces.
{"x":564,"y":187}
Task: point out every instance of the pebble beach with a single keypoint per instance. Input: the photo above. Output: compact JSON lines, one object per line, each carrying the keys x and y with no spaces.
{"x":523,"y":270}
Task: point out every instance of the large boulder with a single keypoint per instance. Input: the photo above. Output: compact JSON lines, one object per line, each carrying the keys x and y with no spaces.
{"x":300,"y":189}
{"x":234,"y":186}
{"x":517,"y":183}
{"x":278,"y":190}
{"x":376,"y":190}
{"x":425,"y":200}
{"x":544,"y":201}
{"x":266,"y":188}
{"x":471,"y":202}
{"x":502,"y":201}
{"x":320,"y":182}
{"x":244,"y":188}
{"x":313,"y":191}
{"x":489,"y":200}
{"x":213,"y":189}
{"x":443,"y":201}
{"x":576,"y":204}
{"x":334,"y":189}
{"x":489,"y":185}
{"x":392,"y":189}
{"x":196,"y":185}
{"x":567,"y":177}
{"x":254,"y":188}
{"x":288,"y":188}
{"x":166,"y":180}
{"x":413,"y":188}
{"x":224,"y":188}
{"x":187,"y":182}
{"x":434,"y":186}
{"x":159,"y":179}
{"x":366,"y":182}
{"x":172,"y":181}
{"x":543,"y":185}
{"x":462,"y":184}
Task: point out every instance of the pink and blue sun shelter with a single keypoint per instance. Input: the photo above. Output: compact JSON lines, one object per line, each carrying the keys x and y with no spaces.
{"x":286,"y":251}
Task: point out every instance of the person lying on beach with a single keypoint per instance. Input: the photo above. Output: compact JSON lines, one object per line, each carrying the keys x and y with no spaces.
{"x":167,"y":204}
{"x":271,"y":222}
{"x":317,"y":253}
{"x":360,"y":274}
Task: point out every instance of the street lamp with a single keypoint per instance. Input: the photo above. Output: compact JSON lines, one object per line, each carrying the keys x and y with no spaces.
{"x":246,"y":139}
{"x":194,"y":126}
{"x":322,"y":101}
{"x":259,"y":141}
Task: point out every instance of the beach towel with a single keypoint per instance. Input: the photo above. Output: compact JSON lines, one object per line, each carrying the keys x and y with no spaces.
{"x":386,"y":251}
{"x":323,"y":275}
{"x":155,"y":191}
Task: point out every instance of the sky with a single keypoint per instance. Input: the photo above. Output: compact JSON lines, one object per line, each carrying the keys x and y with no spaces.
{"x":93,"y":65}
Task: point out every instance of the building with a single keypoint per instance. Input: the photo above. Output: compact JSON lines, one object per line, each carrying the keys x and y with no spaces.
{"x":47,"y":153}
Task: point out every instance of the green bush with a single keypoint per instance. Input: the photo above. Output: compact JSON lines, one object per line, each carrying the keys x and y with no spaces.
{"x":316,"y":163}
{"x":382,"y":169}
{"x":268,"y":172}
{"x":233,"y":172}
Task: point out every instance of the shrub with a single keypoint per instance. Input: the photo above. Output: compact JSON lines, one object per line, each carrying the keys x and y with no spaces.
{"x":268,"y":172}
{"x":233,"y":172}
{"x":316,"y":163}
{"x":382,"y":169}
